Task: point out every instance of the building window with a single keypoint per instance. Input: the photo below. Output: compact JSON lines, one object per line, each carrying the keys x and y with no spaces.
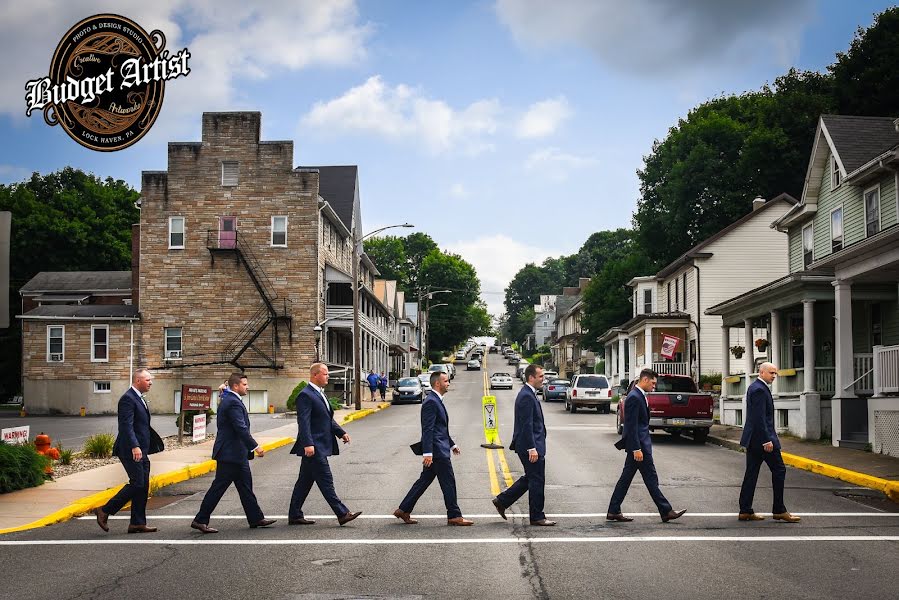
{"x":783,"y":418}
{"x":836,"y":229}
{"x":808,"y":246}
{"x":676,"y":293}
{"x":56,"y":335}
{"x":172,"y":343}
{"x":230,"y":171}
{"x":102,"y":387}
{"x":99,"y":343}
{"x":738,"y":417}
{"x":279,"y":231}
{"x":835,"y":178}
{"x":176,"y":232}
{"x":872,"y":211}
{"x":876,"y":325}
{"x":404,"y":334}
{"x":647,"y":301}
{"x":669,"y":296}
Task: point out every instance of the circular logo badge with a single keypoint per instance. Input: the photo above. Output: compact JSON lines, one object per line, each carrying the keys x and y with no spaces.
{"x":108,"y":82}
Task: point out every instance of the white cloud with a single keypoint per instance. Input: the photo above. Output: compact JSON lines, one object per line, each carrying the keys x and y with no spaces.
{"x":543,"y":118}
{"x":403,"y":112}
{"x":13,"y":174}
{"x":663,"y":37}
{"x":557,"y":164}
{"x":457,"y":190}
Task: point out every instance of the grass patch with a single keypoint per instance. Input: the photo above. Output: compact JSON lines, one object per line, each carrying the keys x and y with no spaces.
{"x":99,"y":445}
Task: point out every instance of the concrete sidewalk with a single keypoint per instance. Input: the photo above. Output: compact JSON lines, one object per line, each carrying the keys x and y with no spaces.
{"x":79,"y":493}
{"x":866,"y":469}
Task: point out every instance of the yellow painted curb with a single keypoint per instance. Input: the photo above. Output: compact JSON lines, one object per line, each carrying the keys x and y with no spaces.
{"x":888,"y":487}
{"x":361,"y":414}
{"x":98,"y":499}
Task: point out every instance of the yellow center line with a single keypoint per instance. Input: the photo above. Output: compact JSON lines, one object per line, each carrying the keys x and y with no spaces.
{"x":504,"y":466}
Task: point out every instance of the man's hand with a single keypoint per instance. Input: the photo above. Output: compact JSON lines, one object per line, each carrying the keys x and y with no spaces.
{"x":136,"y":454}
{"x":346,"y":438}
{"x":638,"y":455}
{"x":532,"y":456}
{"x":260,"y":452}
{"x":427,"y":460}
{"x":768,"y":446}
{"x":456,"y":450}
{"x":309,"y":450}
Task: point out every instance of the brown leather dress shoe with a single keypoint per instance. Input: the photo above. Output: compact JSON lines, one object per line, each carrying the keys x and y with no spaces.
{"x":348,"y":517}
{"x":500,"y":509}
{"x":142,"y":529}
{"x":301,"y":521}
{"x":459,"y":522}
{"x":263,"y":523}
{"x":785,"y":516}
{"x":618,"y":517}
{"x":543,"y":523}
{"x":102,"y":519}
{"x":750,"y":517}
{"x":672,"y":515}
{"x":405,"y":517}
{"x":203,"y":527}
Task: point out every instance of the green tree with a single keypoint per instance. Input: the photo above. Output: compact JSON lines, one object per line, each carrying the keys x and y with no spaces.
{"x":451,"y":324}
{"x":417,"y":246}
{"x":389,"y":255}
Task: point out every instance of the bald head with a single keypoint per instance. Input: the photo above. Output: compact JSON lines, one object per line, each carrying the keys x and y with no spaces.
{"x":767,"y":372}
{"x":142,"y":380}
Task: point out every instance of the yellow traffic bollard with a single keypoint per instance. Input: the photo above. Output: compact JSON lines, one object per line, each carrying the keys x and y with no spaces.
{"x":271,"y":409}
{"x":83,"y":411}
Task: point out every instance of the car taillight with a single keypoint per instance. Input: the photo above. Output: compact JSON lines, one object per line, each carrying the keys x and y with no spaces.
{"x":574,"y":393}
{"x":552,"y":387}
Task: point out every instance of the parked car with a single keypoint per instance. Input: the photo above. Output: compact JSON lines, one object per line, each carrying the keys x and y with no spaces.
{"x":555,"y":389}
{"x":513,"y":359}
{"x":460,"y":355}
{"x":452,"y":370}
{"x":676,"y":406}
{"x":591,"y":391}
{"x":520,"y":367}
{"x":547,"y":375}
{"x":473,"y":365}
{"x":408,"y":389}
{"x":500,"y":380}
{"x":425,"y":380}
{"x":439,"y":367}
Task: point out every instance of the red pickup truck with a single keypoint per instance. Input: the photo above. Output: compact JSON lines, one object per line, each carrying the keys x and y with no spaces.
{"x":675,"y":406}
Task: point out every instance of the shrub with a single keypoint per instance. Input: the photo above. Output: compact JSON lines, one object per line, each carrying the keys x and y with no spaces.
{"x":65,"y":456}
{"x":292,"y":401}
{"x":21,"y":467}
{"x":336,"y":403}
{"x":99,"y":445}
{"x":710,"y":379}
{"x":189,"y":419}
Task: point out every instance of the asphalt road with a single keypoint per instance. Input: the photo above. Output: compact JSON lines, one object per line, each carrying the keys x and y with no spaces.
{"x":706,"y":554}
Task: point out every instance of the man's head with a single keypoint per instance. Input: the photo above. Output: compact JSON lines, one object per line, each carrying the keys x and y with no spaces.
{"x":142,"y":380}
{"x":318,"y":374}
{"x":647,"y":380}
{"x":533,"y":374}
{"x":767,"y":372}
{"x":238,"y":383}
{"x":439,"y":382}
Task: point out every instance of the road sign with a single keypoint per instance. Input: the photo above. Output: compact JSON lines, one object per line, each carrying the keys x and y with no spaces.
{"x":199,"y":428}
{"x":16,"y":435}
{"x":491,"y":422}
{"x":195,"y":397}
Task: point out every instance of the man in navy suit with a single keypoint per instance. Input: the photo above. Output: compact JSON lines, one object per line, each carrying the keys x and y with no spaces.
{"x":232,"y":449}
{"x":132,"y":445}
{"x":317,"y":435}
{"x":529,"y":442}
{"x":762,"y":445}
{"x":637,"y":442}
{"x":436,"y":445}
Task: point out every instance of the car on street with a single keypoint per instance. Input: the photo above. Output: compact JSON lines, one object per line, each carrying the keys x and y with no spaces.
{"x":452,"y":370}
{"x":500,"y":380}
{"x":425,"y":380}
{"x":520,"y":367}
{"x":439,"y":367}
{"x":547,"y":375}
{"x":555,"y":389}
{"x":408,"y":389}
{"x":676,"y":406}
{"x":493,"y":350}
{"x":473,"y":365}
{"x":588,"y":390}
{"x":460,"y":355}
{"x":513,"y":358}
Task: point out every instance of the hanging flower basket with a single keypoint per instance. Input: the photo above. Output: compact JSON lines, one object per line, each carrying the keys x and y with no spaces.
{"x":737,"y":351}
{"x":761,"y":344}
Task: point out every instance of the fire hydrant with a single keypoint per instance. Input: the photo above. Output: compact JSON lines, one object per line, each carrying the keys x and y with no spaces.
{"x":42,"y":445}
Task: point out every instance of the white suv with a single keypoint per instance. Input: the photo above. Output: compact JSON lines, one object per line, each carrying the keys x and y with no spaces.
{"x":589,"y":390}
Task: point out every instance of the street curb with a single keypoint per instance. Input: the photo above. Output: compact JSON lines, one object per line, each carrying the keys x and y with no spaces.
{"x":361,"y":414}
{"x":98,"y":499}
{"x":888,"y":487}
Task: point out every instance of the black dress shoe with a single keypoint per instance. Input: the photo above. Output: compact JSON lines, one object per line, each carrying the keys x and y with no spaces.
{"x":500,"y":509}
{"x":348,"y":517}
{"x":300,"y":521}
{"x":203,"y":527}
{"x":142,"y":529}
{"x":263,"y":523}
{"x":543,"y":523}
{"x":102,"y":518}
{"x":618,"y":517}
{"x":672,"y":515}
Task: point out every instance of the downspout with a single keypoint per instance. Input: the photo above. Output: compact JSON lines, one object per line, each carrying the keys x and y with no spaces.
{"x":131,"y":356}
{"x":696,"y":324}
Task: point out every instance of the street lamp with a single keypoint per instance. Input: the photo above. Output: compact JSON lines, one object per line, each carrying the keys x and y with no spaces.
{"x":357,"y":338}
{"x":423,"y":349}
{"x":318,"y":341}
{"x":428,"y":326}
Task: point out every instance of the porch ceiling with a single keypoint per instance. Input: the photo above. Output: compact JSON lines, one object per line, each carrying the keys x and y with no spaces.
{"x":775,"y":295}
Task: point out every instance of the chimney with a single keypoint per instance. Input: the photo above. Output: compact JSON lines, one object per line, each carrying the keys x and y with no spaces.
{"x":758,"y":203}
{"x":135,"y":264}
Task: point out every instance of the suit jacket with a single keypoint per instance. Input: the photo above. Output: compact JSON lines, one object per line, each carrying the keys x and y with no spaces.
{"x":316,"y":425}
{"x":530,"y":430}
{"x":635,"y":430}
{"x":233,"y":441}
{"x":435,"y":436}
{"x":134,"y":425}
{"x":758,"y":426}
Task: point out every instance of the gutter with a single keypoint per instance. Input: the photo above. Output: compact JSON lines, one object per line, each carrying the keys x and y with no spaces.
{"x":58,"y":318}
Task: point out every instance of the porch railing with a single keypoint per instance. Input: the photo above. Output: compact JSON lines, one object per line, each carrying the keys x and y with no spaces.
{"x":670,"y":368}
{"x":825,"y":382}
{"x":885,"y":376}
{"x":863,"y":373}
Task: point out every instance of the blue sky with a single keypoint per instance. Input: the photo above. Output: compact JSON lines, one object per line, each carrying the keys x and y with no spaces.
{"x":507,"y":130}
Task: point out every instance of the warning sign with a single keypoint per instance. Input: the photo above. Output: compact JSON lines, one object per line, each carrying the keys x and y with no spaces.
{"x":491,"y":424}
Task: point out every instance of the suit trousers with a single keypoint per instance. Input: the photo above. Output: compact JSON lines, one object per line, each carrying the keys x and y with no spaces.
{"x":647,"y":469}
{"x":314,"y":469}
{"x":240,"y":475}
{"x":755,"y":456}
{"x":135,"y":491}
{"x":442,"y":469}
{"x":532,"y":482}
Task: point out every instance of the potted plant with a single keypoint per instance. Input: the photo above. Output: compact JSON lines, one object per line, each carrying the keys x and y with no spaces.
{"x":761,"y":344}
{"x":737,"y":351}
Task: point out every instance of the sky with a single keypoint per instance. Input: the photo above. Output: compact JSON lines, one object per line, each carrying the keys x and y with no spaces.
{"x":507,"y":130}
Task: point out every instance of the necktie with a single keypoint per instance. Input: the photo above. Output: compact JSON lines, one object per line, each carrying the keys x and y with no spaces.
{"x":144,"y":400}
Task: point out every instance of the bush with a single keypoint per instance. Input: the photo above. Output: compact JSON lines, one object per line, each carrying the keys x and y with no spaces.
{"x":336,"y":403}
{"x":65,"y":456}
{"x":292,"y":401}
{"x":711,"y":379}
{"x":21,"y":467}
{"x":99,"y":445}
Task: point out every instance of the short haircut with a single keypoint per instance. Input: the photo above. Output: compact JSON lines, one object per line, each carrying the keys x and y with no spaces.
{"x":140,"y":373}
{"x":316,"y":367}
{"x":648,"y":374}
{"x":235,"y":378}
{"x":531,"y":371}
{"x":435,"y":377}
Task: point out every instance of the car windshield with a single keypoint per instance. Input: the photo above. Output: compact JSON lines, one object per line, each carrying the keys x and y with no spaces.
{"x":559,"y":382}
{"x":590,"y":381}
{"x":500,"y":375}
{"x":409,"y":381}
{"x":437,"y":368}
{"x":678,"y":385}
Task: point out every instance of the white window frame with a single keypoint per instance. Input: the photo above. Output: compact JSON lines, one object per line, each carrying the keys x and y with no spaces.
{"x":183,"y":232}
{"x":274,"y":245}
{"x":879,"y":209}
{"x":811,"y":227}
{"x":842,"y":226}
{"x":404,"y":334}
{"x":102,"y":387}
{"x":94,"y":343}
{"x":62,"y":355}
{"x":230,"y":179}
{"x":836,"y":177}
{"x":166,"y":351}
{"x":643,"y":301}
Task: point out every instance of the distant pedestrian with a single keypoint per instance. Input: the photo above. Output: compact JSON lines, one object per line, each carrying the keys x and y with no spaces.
{"x":373,"y":381}
{"x":762,"y":446}
{"x":382,"y":385}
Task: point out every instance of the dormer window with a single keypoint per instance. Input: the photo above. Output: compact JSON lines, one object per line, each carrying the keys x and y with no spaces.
{"x":647,"y":301}
{"x":230,"y":170}
{"x":808,"y":246}
{"x":872,"y":211}
{"x":835,"y":178}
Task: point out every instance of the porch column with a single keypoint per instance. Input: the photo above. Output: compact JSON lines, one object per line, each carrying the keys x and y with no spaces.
{"x":842,"y":356}
{"x":774,"y":344}
{"x":622,"y":376}
{"x":632,"y":356}
{"x":749,"y":358}
{"x":809,"y":399}
{"x":647,"y":346}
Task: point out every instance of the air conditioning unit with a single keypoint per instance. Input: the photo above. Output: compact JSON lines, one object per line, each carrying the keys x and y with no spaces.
{"x":56,"y":357}
{"x":173,"y":354}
